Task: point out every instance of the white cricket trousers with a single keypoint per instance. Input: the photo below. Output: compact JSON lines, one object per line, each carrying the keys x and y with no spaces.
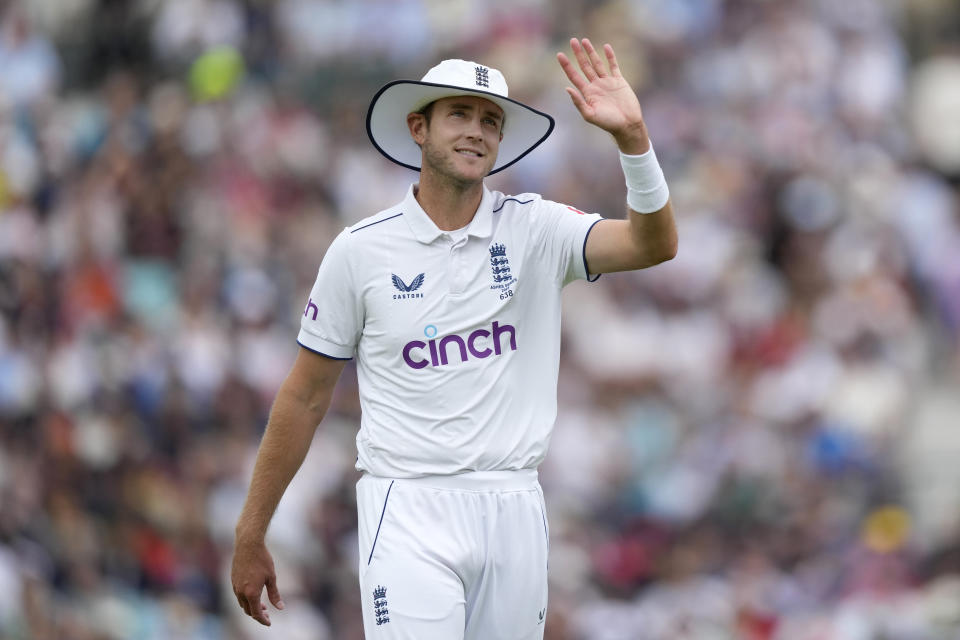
{"x":459,"y":557}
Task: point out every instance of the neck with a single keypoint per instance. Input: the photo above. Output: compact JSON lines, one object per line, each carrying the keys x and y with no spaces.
{"x":451,"y":205}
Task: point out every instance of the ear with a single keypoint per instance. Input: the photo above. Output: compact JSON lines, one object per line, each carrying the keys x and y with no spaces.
{"x":417,"y":123}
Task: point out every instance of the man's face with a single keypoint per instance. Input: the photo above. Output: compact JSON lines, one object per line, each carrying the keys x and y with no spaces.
{"x":462,"y":138}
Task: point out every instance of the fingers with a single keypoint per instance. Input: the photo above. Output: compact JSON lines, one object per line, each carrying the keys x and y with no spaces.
{"x":594,"y":58}
{"x":242,"y":602}
{"x":572,"y":74}
{"x":249,"y":600}
{"x":258,"y":610}
{"x":583,"y":60}
{"x":241,"y":599}
{"x":255,"y":608}
{"x":591,"y":65}
{"x":611,"y":60}
{"x":273,"y":593}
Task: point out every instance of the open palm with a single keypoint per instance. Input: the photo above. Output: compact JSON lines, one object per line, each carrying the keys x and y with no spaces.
{"x":599,"y":91}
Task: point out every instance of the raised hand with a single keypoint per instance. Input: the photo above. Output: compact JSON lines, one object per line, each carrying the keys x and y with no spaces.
{"x":603,"y":97}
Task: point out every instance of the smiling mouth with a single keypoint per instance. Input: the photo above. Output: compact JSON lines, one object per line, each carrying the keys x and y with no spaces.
{"x":469,"y":153}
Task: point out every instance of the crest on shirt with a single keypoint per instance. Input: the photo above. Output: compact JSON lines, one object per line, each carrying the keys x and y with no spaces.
{"x":500,"y":268}
{"x":407,"y":290}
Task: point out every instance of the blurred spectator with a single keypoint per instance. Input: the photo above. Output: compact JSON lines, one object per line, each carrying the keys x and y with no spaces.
{"x":29,"y":61}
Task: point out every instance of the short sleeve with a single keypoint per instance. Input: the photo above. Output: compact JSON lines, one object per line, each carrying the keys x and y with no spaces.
{"x":333,"y":319}
{"x":562,"y":231}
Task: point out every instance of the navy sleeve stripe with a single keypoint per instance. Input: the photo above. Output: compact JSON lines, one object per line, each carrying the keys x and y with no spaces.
{"x":586,"y":267}
{"x":382,"y":513}
{"x":377,"y":222}
{"x":504,"y":203}
{"x":321,"y":353}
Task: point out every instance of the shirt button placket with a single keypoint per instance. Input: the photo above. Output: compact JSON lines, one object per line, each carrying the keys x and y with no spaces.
{"x":456,"y":267}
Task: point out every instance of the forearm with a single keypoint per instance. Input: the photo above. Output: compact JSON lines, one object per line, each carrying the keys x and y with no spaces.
{"x":649,"y":234}
{"x":654,"y":234}
{"x":293,"y":420}
{"x":649,"y":211}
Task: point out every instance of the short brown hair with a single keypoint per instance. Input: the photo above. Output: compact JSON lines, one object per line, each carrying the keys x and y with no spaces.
{"x":427,"y":110}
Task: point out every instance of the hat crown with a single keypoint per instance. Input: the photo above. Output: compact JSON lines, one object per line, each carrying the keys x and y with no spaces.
{"x":468,"y":75}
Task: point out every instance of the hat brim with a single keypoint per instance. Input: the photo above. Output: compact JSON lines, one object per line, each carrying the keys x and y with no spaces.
{"x":524,"y":127}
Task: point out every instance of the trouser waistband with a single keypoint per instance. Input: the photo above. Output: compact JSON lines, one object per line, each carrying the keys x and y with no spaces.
{"x":515,"y":480}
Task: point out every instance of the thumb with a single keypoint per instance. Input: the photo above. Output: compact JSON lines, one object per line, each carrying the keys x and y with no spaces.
{"x":578,"y":102}
{"x":273,"y":593}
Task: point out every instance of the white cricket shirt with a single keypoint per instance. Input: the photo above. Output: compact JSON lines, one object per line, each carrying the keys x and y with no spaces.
{"x":457,"y":341}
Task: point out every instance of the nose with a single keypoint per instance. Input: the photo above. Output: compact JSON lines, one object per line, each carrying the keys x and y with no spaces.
{"x":475,"y":128}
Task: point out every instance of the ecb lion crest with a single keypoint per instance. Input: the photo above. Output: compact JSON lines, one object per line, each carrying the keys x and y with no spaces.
{"x":503,"y":278}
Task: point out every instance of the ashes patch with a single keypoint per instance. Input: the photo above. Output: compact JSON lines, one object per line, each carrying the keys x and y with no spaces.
{"x":503,"y":280}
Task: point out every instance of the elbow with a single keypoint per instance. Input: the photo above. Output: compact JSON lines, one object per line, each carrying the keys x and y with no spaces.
{"x":661,"y":253}
{"x":670,"y":251}
{"x":671,"y":245}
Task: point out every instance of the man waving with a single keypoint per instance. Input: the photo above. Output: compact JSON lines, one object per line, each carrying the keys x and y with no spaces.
{"x":450,"y":302}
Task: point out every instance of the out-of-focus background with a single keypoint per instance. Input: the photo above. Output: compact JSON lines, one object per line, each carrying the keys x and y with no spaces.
{"x":758,"y":440}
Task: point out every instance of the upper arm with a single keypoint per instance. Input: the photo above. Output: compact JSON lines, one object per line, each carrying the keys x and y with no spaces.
{"x":642,"y":240}
{"x":312,"y":379}
{"x":559,"y":233}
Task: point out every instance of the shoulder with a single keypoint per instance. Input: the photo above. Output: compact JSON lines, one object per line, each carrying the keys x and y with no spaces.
{"x":377,"y":224}
{"x":519,"y":203}
{"x":532,"y":205}
{"x":364,"y":235}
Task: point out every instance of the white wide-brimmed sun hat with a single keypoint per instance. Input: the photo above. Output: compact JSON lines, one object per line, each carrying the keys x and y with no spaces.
{"x":524,"y":127}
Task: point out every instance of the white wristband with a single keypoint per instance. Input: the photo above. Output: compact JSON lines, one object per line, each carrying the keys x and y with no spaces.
{"x":646,"y":187}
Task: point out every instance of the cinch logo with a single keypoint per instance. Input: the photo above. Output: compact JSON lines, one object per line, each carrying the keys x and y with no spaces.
{"x":311,"y":305}
{"x":481,"y":343}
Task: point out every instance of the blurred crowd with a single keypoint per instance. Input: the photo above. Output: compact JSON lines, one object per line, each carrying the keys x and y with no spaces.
{"x":757,"y":440}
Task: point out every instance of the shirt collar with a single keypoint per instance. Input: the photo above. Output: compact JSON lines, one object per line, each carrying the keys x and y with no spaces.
{"x":424,"y":229}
